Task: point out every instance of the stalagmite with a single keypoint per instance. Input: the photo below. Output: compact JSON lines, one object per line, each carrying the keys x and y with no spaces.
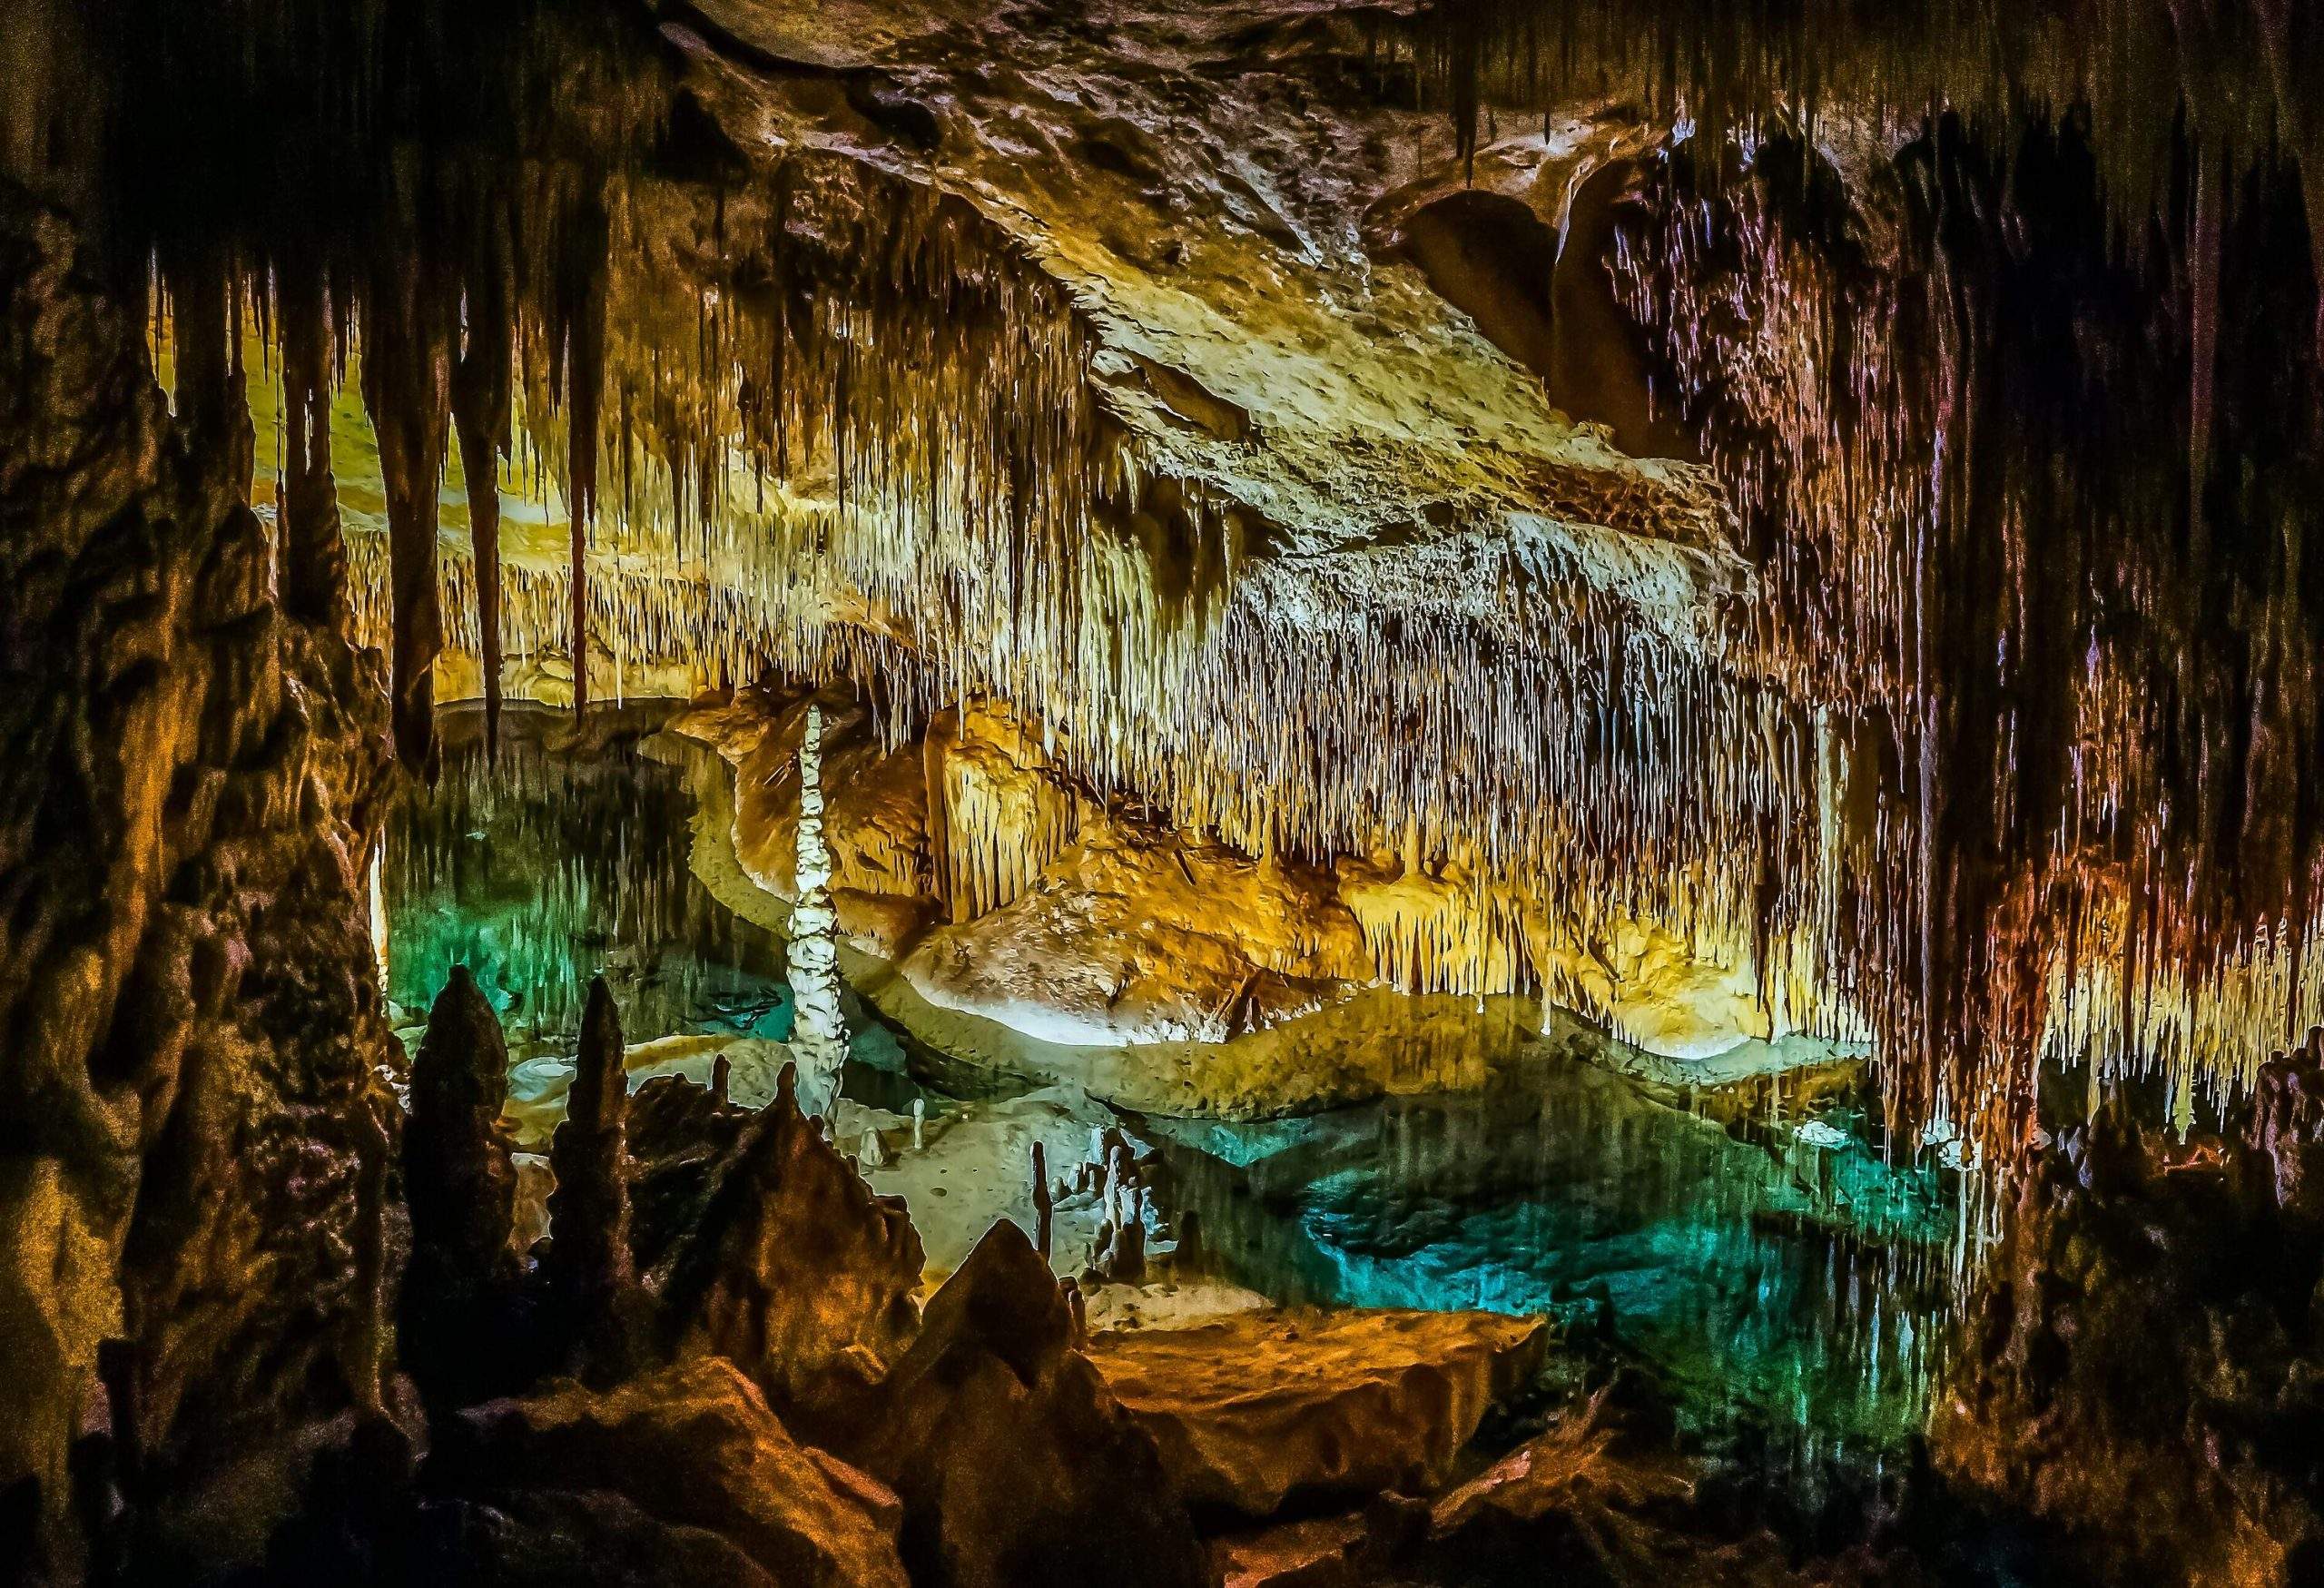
{"x":919,"y":1124}
{"x":460,"y":1285}
{"x":588,"y":1264}
{"x":818,"y":1033}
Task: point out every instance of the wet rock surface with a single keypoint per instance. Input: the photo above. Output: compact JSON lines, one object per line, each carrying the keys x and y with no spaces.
{"x":1254,"y":1410}
{"x":693,"y":1448}
{"x":1014,"y":1462}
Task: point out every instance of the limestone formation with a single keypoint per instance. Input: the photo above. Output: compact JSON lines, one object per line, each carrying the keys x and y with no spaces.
{"x":1014,"y":1463}
{"x":458,"y":1318}
{"x":791,"y":1268}
{"x":818,"y":1033}
{"x":193,"y":1179}
{"x":1257,"y":1410}
{"x":693,"y":1448}
{"x":588,"y":1270}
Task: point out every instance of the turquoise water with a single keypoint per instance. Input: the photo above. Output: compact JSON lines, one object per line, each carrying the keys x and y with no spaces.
{"x":542,"y":869}
{"x":1794,"y":1287}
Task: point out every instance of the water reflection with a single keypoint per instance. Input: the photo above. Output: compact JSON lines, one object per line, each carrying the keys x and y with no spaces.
{"x":543,"y":869}
{"x":1752,"y":1240}
{"x":1791,"y":1279}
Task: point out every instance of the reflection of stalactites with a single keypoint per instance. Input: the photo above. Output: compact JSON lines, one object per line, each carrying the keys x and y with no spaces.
{"x":314,"y":555}
{"x":407,"y":378}
{"x":481,"y":394}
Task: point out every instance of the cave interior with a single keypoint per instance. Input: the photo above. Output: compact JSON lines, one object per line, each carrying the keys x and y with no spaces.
{"x":1284,"y":794}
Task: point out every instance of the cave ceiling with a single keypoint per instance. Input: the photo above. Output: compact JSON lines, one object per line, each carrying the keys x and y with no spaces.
{"x":1242,"y":391}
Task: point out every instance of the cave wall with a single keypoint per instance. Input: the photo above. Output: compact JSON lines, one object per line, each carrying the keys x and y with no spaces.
{"x":194,"y":1119}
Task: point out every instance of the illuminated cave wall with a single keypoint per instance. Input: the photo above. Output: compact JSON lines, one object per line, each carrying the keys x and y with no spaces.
{"x":1961,"y":703}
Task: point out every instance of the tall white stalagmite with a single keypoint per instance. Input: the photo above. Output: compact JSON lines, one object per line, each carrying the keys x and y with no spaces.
{"x":818,"y":1035}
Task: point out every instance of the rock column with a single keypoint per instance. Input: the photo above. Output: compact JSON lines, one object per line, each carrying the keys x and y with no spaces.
{"x":459,"y":1287}
{"x":818,"y":1035}
{"x":588,"y":1270}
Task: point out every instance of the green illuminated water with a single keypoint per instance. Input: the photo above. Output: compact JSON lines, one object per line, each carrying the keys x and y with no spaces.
{"x":1788,"y":1284}
{"x":545,"y":870}
{"x":1793,"y":1286}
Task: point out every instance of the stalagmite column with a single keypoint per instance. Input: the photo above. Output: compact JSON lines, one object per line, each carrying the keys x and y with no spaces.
{"x":459,"y":1285}
{"x":312,"y":555}
{"x":1042,"y":1207}
{"x":588,"y":1263}
{"x":818,"y":1035}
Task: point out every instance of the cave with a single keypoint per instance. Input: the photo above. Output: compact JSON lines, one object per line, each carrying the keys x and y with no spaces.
{"x":1220,"y":792}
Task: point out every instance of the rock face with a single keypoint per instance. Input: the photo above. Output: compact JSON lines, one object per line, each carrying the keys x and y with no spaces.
{"x":794,"y":1270}
{"x":2133,"y":1262}
{"x":460,"y":1288}
{"x":1016,"y":1466}
{"x":1003,"y":913}
{"x":693,"y":1450}
{"x":1260,"y":1409}
{"x":192,"y":1177}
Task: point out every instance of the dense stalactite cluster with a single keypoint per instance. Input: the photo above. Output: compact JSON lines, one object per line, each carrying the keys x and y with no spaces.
{"x":770,"y":405}
{"x":2034,"y":549}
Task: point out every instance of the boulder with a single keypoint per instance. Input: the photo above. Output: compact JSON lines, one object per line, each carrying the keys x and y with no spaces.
{"x":694,"y":1449}
{"x":1015,"y":1465}
{"x":1256,"y":1409}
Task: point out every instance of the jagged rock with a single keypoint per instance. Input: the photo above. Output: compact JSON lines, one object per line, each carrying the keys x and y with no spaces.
{"x":1016,"y":1466}
{"x":693,"y":1448}
{"x":456,"y":1316}
{"x":193,"y":1170}
{"x":1256,"y":1409}
{"x":794,"y":1270}
{"x":678,"y":1135}
{"x":587,"y":1273}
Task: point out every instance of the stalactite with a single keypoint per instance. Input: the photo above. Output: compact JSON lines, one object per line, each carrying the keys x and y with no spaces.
{"x":481,"y":395}
{"x":585,"y":265}
{"x":312,"y":552}
{"x":407,"y":386}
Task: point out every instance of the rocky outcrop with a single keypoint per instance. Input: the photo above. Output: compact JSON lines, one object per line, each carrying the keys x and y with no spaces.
{"x":1015,"y":1465}
{"x":194,"y":1175}
{"x":567,"y":1477}
{"x":1258,"y":1409}
{"x":794,"y":1270}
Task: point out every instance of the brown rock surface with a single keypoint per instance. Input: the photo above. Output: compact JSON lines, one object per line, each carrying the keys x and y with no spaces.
{"x":1259,"y":1408}
{"x":460,"y":1281}
{"x":693,"y":1447}
{"x":193,"y":1168}
{"x":794,"y":1270}
{"x":1016,"y":1466}
{"x":2143,"y":1366}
